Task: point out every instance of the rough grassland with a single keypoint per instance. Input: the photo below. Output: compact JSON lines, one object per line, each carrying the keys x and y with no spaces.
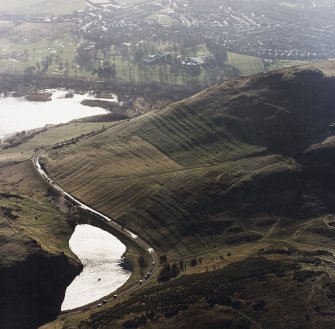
{"x":29,"y":214}
{"x":36,"y":264}
{"x":175,"y":176}
{"x":234,"y":185}
{"x":53,"y":135}
{"x":35,"y":234}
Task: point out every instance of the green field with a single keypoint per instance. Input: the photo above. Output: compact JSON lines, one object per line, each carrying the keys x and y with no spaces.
{"x":134,"y":2}
{"x":42,"y":7}
{"x":161,"y":19}
{"x":279,"y":64}
{"x":247,"y":65}
{"x":50,"y":137}
{"x":29,"y":46}
{"x":61,"y":49}
{"x":291,"y":4}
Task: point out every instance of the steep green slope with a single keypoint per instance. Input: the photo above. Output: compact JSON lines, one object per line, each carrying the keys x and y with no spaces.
{"x":284,"y":111}
{"x":184,"y":177}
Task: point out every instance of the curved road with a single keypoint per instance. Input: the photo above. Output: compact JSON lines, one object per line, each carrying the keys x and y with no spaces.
{"x":153,"y":269}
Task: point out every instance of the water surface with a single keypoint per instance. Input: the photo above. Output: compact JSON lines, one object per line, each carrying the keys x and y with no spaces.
{"x":100,"y":253}
{"x":18,"y":114}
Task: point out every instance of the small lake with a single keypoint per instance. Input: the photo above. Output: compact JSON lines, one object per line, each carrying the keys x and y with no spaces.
{"x":100,"y":253}
{"x":18,"y":114}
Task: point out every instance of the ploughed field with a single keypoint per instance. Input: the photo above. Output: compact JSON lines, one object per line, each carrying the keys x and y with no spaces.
{"x":235,"y":186}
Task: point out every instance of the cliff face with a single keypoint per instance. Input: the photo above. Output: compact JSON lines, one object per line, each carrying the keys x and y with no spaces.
{"x":32,"y":291}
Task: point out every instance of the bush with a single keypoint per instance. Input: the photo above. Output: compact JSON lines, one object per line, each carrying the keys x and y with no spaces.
{"x":165,"y":273}
{"x":194,"y":262}
{"x":174,"y":270}
{"x":163,"y":259}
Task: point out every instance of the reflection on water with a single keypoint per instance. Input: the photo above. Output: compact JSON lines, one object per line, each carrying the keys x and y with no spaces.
{"x":100,"y":253}
{"x":18,"y":114}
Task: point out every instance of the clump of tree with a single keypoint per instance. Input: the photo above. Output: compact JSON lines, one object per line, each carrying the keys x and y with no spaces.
{"x":194,"y":262}
{"x":106,"y":72}
{"x":168,"y":272}
{"x":136,"y":322}
{"x":73,"y":219}
{"x":141,"y":263}
{"x":21,"y":137}
{"x":165,"y":273}
{"x":174,"y":270}
{"x":163,"y":259}
{"x":219,"y":52}
{"x":192,"y":70}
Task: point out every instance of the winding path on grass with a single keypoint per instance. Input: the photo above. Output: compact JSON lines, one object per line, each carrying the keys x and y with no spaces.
{"x":128,"y":234}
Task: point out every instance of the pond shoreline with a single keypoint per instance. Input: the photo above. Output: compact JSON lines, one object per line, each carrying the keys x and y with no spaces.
{"x":101,"y":254}
{"x":46,"y":107}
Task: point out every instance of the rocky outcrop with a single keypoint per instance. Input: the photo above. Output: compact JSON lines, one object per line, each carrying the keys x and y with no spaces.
{"x":32,"y":291}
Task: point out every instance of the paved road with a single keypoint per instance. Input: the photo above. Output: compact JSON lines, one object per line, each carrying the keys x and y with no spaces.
{"x":128,"y":289}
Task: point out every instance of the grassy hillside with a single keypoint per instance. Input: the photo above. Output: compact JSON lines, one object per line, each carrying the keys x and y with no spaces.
{"x":235,"y":176}
{"x":36,"y":263}
{"x":254,"y":293}
{"x":183,"y":172}
{"x":26,"y":214}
